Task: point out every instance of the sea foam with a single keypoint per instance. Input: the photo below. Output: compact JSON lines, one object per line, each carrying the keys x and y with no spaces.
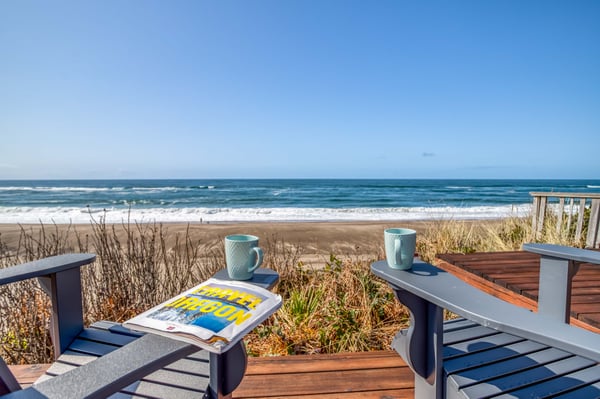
{"x":60,"y":215}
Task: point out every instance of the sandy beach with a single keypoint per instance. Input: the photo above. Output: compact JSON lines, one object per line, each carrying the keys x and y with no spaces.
{"x":316,"y":240}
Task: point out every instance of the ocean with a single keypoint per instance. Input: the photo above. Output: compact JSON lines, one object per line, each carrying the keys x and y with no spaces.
{"x":257,"y":200}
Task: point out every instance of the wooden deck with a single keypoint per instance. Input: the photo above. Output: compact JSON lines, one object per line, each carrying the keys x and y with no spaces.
{"x":369,"y":375}
{"x":513,"y":276}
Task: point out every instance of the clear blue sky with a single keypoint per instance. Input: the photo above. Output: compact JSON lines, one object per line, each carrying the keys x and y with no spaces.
{"x":390,"y":89}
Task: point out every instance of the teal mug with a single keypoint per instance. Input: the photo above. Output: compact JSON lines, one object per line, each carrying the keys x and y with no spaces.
{"x":242,"y":255}
{"x":400,"y":246}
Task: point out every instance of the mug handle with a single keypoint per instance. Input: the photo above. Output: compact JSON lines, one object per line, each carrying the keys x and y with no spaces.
{"x":398,"y":250}
{"x":259,"y":258}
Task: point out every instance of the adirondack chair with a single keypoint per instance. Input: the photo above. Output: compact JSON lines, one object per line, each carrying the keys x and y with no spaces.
{"x":496,"y":349}
{"x":107,"y":359}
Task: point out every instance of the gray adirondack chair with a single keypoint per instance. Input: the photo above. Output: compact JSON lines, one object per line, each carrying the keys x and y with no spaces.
{"x":107,"y":360}
{"x":496,"y":349}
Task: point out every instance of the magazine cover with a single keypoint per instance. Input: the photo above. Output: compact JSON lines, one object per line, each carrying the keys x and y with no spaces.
{"x":213,"y":315}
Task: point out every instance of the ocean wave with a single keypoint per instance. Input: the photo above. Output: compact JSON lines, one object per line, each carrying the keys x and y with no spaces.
{"x":125,"y":189}
{"x":58,"y":189}
{"x":225,"y":215}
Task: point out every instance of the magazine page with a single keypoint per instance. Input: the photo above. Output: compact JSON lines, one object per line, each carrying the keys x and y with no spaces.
{"x":213,"y":315}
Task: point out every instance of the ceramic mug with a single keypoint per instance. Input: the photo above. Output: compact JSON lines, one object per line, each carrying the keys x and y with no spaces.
{"x":400,"y":246}
{"x":242,"y":255}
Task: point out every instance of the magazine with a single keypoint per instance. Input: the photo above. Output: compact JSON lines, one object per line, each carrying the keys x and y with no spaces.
{"x":213,"y":315}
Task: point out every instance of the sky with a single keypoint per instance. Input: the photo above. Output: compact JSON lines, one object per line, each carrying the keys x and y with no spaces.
{"x":299,"y":89}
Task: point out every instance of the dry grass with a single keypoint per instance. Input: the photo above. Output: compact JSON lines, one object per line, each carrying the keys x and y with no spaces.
{"x":340,"y":307}
{"x":455,"y":236}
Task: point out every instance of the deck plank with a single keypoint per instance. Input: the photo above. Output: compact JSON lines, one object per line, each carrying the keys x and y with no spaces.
{"x":380,"y":374}
{"x":27,"y":374}
{"x":514,"y":277}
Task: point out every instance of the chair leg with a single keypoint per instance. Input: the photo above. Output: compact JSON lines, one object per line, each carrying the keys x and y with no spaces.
{"x":421,"y":344}
{"x":8,"y":382}
{"x":64,"y":289}
{"x":227,"y":371}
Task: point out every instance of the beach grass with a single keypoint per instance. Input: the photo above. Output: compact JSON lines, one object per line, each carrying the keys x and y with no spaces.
{"x":337,"y":306}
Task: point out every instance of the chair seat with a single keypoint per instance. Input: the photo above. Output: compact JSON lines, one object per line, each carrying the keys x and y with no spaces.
{"x":184,"y":378}
{"x":480,"y":362}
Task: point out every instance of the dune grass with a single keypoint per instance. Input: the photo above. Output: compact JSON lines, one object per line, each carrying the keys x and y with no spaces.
{"x":336,"y":308}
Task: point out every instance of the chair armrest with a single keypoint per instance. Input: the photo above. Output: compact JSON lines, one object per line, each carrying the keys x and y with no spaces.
{"x":44,"y":267}
{"x":447,"y":291}
{"x":60,"y":278}
{"x":111,"y":372}
{"x":558,"y":265}
{"x":563,"y":252}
